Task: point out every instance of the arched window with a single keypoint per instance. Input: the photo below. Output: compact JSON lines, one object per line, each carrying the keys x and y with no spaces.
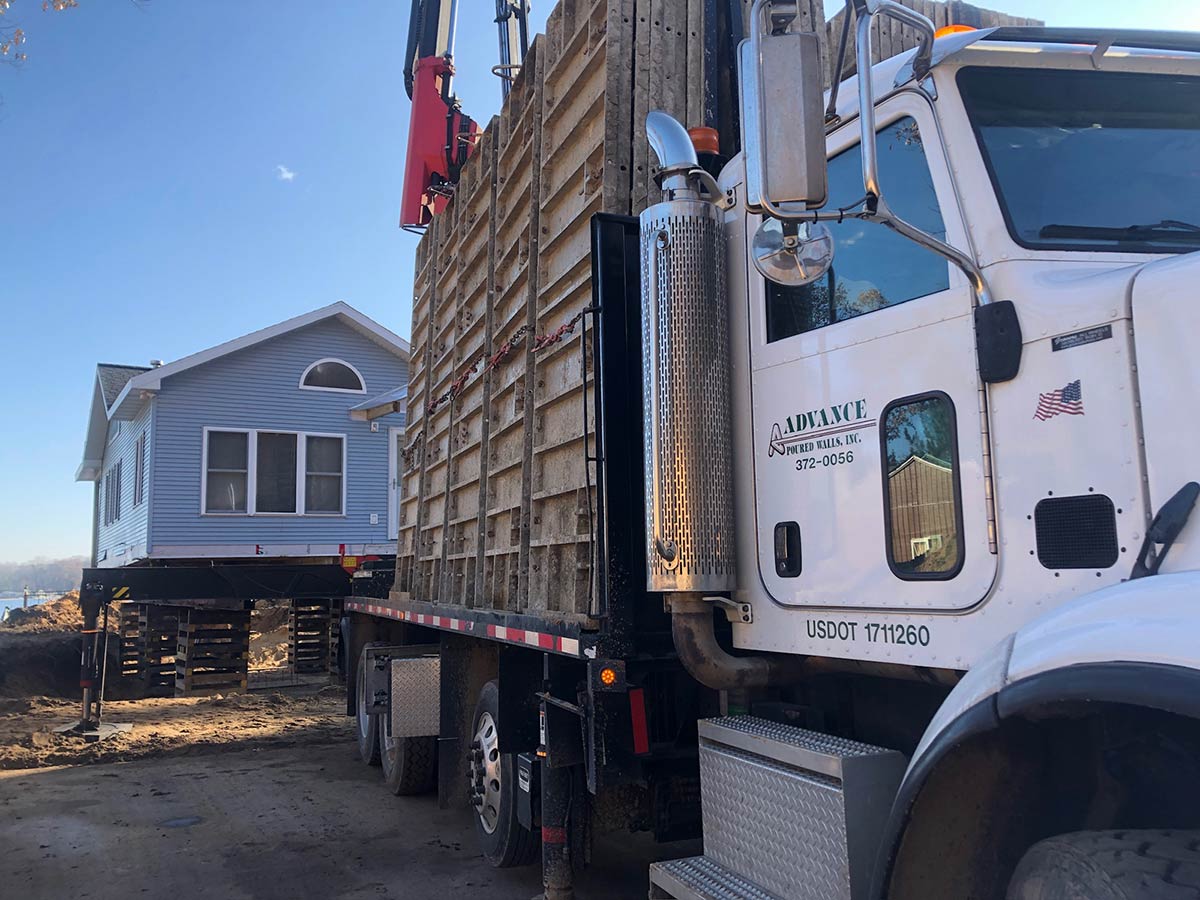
{"x":332,"y":375}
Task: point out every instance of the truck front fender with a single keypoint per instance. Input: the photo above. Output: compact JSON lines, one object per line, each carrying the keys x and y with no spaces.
{"x":1136,"y":643}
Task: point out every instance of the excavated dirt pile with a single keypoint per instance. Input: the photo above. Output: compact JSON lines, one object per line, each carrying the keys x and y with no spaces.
{"x":40,"y":649}
{"x":269,"y":634}
{"x":62,"y":614}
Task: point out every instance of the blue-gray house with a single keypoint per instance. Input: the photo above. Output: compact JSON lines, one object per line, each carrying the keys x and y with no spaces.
{"x":283,"y":442}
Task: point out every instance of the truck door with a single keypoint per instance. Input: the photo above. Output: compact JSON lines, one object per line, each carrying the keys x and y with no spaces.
{"x":868,"y":451}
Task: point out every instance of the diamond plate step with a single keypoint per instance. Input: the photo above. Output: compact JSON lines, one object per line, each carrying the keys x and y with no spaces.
{"x":699,"y":878}
{"x":793,"y":812}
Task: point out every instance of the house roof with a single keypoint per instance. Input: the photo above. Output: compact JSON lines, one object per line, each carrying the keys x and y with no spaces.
{"x":113,"y":379}
{"x":386,"y":403}
{"x":120,"y":390}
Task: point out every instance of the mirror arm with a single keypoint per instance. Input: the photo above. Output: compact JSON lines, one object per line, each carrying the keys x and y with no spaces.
{"x":835,"y":80}
{"x":923,"y":60}
{"x":874,"y":208}
{"x":965,"y":263}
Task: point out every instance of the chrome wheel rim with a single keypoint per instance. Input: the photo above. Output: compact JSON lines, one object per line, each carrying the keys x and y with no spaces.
{"x":484,"y":773}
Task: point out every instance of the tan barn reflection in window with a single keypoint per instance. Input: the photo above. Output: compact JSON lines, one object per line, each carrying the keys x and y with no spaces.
{"x":921,"y":489}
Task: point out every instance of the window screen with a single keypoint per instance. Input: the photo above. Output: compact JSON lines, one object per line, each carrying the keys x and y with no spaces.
{"x":873,"y":267}
{"x":921,"y":492}
{"x":323,"y":475}
{"x":228,"y":470}
{"x":275,"y":473}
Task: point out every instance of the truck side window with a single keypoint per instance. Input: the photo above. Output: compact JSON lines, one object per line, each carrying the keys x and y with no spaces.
{"x":873,"y":267}
{"x":921,"y":488}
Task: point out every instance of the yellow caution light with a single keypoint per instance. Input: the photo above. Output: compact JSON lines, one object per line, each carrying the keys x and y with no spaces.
{"x":608,"y":676}
{"x":952,"y":29}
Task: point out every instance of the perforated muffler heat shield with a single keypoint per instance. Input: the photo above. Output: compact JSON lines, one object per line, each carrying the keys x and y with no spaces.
{"x":686,"y":394}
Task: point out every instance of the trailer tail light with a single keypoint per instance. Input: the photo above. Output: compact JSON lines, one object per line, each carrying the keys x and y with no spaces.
{"x":637,"y":715}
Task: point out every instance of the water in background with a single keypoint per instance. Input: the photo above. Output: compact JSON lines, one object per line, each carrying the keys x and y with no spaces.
{"x":10,"y":600}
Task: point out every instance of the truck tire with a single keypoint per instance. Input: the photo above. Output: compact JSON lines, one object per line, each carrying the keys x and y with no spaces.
{"x":505,"y":843}
{"x":1110,"y":865}
{"x":409,"y":763}
{"x":366,"y":724}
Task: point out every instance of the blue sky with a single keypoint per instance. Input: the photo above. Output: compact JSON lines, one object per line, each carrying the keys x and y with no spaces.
{"x":178,"y":173}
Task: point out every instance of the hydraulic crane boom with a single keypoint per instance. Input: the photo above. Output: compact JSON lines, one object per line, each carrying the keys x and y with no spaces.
{"x":440,"y":134}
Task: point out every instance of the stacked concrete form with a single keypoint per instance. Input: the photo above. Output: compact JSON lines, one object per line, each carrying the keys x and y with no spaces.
{"x":499,"y":501}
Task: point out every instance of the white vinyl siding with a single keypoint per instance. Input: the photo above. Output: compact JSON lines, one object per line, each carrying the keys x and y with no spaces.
{"x":251,"y":472}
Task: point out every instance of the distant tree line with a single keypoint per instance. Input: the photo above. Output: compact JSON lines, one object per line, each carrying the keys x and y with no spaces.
{"x":42,"y":574}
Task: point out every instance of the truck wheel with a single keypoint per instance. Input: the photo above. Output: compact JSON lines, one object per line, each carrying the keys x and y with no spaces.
{"x":1110,"y":865}
{"x":409,"y":763}
{"x":366,"y":724}
{"x":493,"y":778}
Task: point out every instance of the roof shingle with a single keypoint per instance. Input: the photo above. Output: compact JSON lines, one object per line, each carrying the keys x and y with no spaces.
{"x":113,"y":379}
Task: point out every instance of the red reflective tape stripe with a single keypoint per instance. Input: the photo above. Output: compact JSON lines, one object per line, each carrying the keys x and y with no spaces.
{"x":86,"y":683}
{"x":516,"y":634}
{"x":491,"y":632}
{"x":637,"y":713}
{"x":553,"y":835}
{"x":546,"y":641}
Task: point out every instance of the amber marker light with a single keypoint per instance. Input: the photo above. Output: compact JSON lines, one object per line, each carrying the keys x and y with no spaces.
{"x":952,"y":29}
{"x":608,"y":676}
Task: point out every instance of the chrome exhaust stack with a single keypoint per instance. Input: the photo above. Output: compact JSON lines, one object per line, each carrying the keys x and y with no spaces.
{"x":686,"y":386}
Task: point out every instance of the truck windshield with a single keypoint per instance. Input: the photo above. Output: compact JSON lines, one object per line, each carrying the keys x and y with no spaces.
{"x":1085,"y":160}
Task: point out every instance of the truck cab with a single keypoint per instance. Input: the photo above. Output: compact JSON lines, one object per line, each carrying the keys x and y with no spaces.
{"x":903,"y":509}
{"x":962,"y":472}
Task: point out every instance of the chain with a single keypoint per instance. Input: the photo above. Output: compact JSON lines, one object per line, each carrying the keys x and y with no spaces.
{"x":540,"y":342}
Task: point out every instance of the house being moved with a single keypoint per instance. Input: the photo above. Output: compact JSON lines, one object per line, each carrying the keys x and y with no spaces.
{"x":280,"y":443}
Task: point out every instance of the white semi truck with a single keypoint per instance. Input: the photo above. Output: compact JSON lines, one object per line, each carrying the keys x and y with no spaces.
{"x":913,"y":393}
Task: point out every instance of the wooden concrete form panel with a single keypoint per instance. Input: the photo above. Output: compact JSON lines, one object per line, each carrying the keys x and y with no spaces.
{"x":504,"y":526}
{"x":412,"y":497}
{"x":472,"y":257}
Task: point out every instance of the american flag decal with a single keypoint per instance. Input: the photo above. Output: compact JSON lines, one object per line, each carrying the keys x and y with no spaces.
{"x":1067,"y":400}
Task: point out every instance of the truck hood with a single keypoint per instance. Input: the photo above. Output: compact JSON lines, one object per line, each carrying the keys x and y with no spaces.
{"x":1166,"y":328}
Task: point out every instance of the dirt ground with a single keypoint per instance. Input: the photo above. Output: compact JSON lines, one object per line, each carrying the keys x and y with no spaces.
{"x":256,"y":796}
{"x":253,"y":798}
{"x":166,"y":726}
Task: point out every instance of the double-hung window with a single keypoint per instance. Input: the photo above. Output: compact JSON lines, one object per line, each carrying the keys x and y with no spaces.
{"x":112,"y":494}
{"x":267,"y":472}
{"x":139,"y":470}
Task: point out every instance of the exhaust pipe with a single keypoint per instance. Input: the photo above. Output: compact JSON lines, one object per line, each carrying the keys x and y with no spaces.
{"x":711,"y":665}
{"x":685,"y":378}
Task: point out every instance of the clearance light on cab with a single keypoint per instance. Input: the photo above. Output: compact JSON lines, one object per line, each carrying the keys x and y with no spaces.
{"x":952,"y":29}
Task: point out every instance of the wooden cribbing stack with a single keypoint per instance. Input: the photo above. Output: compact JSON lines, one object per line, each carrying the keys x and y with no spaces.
{"x":212,"y":651}
{"x":148,"y":635}
{"x":308,"y":636}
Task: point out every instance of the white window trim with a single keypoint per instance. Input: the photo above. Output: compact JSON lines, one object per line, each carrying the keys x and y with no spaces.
{"x":332,"y":390}
{"x":252,"y":473}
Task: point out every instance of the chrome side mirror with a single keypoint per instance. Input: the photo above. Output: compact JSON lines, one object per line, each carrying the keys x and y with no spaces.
{"x":792,"y":253}
{"x":783,"y":122}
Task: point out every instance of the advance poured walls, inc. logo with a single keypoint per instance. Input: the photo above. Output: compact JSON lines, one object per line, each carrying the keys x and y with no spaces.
{"x":826,"y":428}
